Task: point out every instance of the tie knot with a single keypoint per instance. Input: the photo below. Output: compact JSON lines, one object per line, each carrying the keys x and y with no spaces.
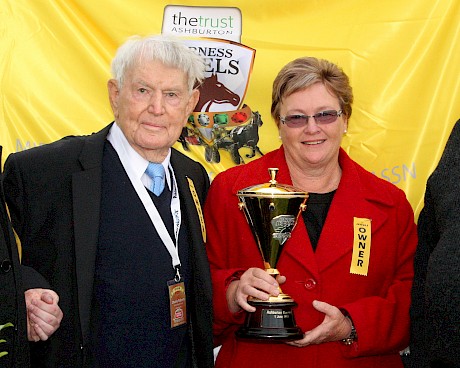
{"x":157,"y":173}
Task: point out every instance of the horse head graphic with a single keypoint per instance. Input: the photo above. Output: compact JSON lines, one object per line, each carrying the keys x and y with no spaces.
{"x":214,"y":92}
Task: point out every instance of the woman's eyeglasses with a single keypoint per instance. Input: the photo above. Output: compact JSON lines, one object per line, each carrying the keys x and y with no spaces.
{"x":323,"y":117}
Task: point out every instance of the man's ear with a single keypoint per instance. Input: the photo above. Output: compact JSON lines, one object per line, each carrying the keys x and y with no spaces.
{"x":114,"y":92}
{"x":193,"y":100}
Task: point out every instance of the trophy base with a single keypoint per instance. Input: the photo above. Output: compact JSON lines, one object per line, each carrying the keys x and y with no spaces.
{"x":271,"y":322}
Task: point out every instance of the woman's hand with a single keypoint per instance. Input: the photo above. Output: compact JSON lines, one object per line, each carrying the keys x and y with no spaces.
{"x":254,"y":282}
{"x":334,"y":327}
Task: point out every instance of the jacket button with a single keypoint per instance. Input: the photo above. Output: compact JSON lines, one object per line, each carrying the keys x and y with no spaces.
{"x":5,"y":266}
{"x":310,"y":284}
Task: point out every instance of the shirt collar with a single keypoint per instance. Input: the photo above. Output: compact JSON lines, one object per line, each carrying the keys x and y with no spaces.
{"x":138,"y":164}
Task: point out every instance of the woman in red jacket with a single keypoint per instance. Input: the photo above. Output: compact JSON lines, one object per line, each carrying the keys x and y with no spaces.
{"x":353,"y":306}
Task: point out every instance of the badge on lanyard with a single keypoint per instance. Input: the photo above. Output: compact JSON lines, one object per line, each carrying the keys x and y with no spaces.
{"x":177,"y":302}
{"x":361,"y":246}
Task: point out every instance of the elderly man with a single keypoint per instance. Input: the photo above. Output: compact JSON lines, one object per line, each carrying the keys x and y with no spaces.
{"x":113,"y":221}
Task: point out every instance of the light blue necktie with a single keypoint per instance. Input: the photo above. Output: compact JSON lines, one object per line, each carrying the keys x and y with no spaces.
{"x":157,"y":173}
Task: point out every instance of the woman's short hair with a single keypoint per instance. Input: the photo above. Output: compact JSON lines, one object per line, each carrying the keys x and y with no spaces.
{"x":306,"y":71}
{"x":169,"y":50}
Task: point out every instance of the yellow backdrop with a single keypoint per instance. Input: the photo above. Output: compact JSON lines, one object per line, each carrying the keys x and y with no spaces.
{"x":402,"y":58}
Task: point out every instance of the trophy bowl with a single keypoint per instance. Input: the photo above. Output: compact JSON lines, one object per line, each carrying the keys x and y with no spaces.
{"x":271,"y":210}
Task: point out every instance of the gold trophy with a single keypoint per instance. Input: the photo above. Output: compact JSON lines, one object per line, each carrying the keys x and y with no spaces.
{"x":271,"y":210}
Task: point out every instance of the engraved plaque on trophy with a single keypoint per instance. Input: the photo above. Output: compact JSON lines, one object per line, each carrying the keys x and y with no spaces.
{"x":271,"y":210}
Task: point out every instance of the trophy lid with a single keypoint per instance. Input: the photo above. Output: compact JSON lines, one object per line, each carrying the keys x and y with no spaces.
{"x":272,"y":189}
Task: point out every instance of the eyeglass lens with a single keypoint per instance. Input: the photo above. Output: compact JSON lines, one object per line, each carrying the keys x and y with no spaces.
{"x":324,"y":117}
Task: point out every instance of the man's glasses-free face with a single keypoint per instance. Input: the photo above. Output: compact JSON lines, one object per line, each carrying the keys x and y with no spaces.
{"x":323,"y":117}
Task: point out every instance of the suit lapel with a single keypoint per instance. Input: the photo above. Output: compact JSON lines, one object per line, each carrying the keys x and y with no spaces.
{"x":86,"y":194}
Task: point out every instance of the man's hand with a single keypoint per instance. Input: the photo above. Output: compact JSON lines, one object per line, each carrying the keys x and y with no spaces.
{"x":43,"y":313}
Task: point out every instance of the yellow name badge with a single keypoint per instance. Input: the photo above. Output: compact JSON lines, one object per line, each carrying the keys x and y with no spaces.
{"x":361,"y":246}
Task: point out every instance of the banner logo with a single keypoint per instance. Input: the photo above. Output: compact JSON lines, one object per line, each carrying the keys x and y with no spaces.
{"x":201,"y":21}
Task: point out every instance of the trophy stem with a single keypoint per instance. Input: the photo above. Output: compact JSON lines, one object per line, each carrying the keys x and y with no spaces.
{"x":271,"y":271}
{"x":273,"y":319}
{"x":282,"y":297}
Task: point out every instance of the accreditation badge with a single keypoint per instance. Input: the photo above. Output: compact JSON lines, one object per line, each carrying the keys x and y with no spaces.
{"x":361,"y":246}
{"x":177,"y":303}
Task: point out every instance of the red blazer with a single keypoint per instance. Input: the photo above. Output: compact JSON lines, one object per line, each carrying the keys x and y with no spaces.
{"x":378,"y":303}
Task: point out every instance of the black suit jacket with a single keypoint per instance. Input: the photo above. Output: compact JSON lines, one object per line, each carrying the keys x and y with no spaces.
{"x":54,"y":194}
{"x":435,"y":309}
{"x":12,"y":305}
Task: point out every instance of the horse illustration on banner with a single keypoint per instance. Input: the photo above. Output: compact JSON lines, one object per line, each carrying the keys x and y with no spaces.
{"x":242,"y":136}
{"x":214,"y":92}
{"x":230,"y":131}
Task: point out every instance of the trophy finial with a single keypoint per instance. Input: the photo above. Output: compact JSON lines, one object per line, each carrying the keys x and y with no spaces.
{"x":273,"y":171}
